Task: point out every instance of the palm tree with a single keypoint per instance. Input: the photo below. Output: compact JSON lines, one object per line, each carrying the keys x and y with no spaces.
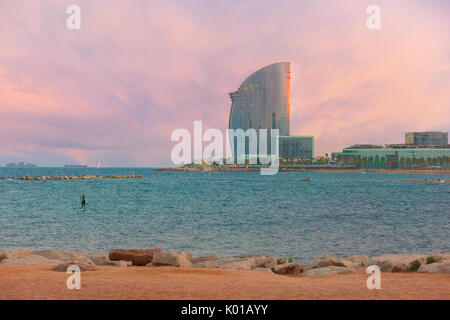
{"x":402,"y":162}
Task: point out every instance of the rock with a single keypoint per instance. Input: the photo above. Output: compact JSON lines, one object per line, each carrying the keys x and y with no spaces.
{"x":326,"y":271}
{"x":437,"y":267}
{"x":175,"y":259}
{"x":349,"y":262}
{"x":188,"y":255}
{"x":3,"y":255}
{"x":261,"y":261}
{"x":122,"y":263}
{"x":326,"y":261}
{"x":64,"y":256}
{"x":265,"y":262}
{"x":18,"y":254}
{"x":356,"y":261}
{"x":237,"y":263}
{"x":398,"y":262}
{"x":438,"y":257}
{"x":307,"y":265}
{"x":288,"y":268}
{"x":31,"y":259}
{"x":138,"y":257}
{"x":83,"y":266}
{"x":207,"y":264}
{"x":202,"y":259}
{"x":263,"y":270}
{"x":101,"y":259}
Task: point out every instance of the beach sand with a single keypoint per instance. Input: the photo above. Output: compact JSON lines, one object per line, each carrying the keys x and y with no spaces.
{"x":109,"y":282}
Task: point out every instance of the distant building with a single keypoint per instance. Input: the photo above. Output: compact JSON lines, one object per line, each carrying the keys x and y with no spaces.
{"x":263,"y":102}
{"x":366,"y":146}
{"x":20,"y":165}
{"x":429,"y":150}
{"x":428,"y":138}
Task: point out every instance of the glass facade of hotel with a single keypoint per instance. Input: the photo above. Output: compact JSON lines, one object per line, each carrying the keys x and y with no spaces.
{"x":297,"y":147}
{"x":263,"y":102}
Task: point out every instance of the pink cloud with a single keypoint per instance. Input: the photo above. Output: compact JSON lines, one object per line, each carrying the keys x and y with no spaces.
{"x":114,"y":91}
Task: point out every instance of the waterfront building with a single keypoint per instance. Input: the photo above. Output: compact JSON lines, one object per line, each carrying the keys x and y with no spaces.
{"x":263,"y":102}
{"x":396,"y":156}
{"x":428,"y":138}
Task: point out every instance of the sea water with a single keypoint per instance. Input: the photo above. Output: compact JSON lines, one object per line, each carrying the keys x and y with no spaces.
{"x":226,"y":214}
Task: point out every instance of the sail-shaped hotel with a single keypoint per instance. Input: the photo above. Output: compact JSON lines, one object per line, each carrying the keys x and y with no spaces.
{"x":263,"y":102}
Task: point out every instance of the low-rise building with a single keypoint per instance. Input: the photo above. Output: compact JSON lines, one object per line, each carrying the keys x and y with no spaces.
{"x":398,"y":156}
{"x":298,"y":147}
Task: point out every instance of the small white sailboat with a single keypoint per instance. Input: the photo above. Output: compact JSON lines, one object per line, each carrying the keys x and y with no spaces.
{"x":99,"y":165}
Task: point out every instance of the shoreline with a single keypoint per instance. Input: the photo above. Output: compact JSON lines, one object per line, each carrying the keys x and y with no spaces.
{"x":334,"y":170}
{"x":29,"y":178}
{"x":157,"y":274}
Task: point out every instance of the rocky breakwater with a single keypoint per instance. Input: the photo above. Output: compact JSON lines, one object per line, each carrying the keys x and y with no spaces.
{"x":86,"y":177}
{"x":58,"y":259}
{"x":321,"y":265}
{"x":433,"y":263}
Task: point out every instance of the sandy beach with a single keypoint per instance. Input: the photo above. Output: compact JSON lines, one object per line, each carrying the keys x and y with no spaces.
{"x":109,"y":282}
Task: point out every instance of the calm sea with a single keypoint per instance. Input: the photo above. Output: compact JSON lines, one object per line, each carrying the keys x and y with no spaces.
{"x":227,"y":213}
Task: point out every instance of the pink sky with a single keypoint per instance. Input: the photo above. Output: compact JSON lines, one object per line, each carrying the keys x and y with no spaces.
{"x":116,"y":89}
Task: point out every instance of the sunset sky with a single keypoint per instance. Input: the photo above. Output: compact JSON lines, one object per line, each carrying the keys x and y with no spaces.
{"x":116,"y":89}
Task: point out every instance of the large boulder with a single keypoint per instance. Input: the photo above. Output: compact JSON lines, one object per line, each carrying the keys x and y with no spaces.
{"x":202,"y":259}
{"x":83,"y":266}
{"x":122,"y":263}
{"x":18,"y":254}
{"x":188,"y":255}
{"x":288,"y":268}
{"x":326,"y":261}
{"x":263,"y":270}
{"x":260,"y":261}
{"x":207,"y":264}
{"x":138,"y":257}
{"x":31,"y":259}
{"x":356,"y":261}
{"x":237,"y":263}
{"x":438,"y":257}
{"x":101,"y":259}
{"x":349,"y":262}
{"x":326,"y":271}
{"x":3,"y":255}
{"x":306,"y":265}
{"x":442,"y":266}
{"x":398,"y":262}
{"x":63,"y":256}
{"x":175,"y":259}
